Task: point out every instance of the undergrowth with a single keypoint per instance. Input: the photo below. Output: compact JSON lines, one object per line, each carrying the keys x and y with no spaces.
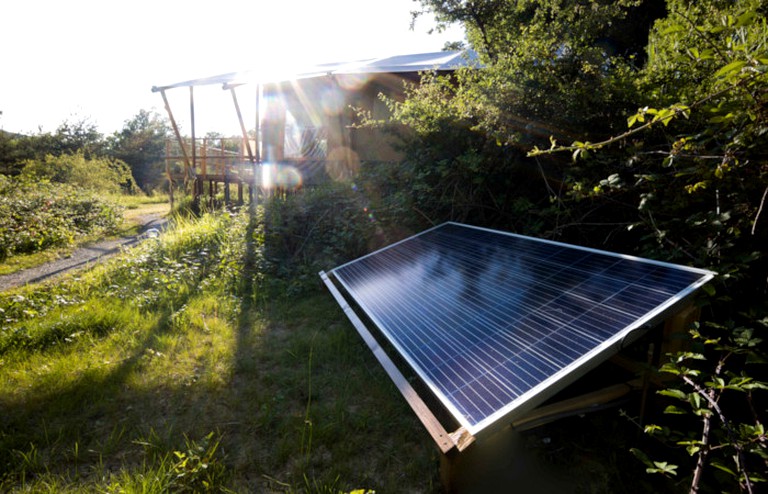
{"x":36,"y":215}
{"x":186,"y":365}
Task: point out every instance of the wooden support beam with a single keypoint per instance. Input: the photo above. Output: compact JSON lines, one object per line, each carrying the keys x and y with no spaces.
{"x":576,"y":405}
{"x":675,"y":335}
{"x":246,"y":140}
{"x":175,"y":129}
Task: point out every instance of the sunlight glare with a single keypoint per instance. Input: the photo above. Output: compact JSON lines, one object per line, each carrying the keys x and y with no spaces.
{"x":352,"y":82}
{"x":276,"y":176}
{"x":343,"y":164}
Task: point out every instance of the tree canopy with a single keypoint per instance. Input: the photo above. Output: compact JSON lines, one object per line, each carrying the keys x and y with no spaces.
{"x":636,"y":126}
{"x":141,"y":144}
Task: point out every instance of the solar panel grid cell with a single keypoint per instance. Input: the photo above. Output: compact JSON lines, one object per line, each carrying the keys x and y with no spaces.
{"x":485,"y":317}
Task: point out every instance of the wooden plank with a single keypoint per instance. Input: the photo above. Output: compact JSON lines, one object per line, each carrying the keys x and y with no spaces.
{"x":459,"y":439}
{"x":676,"y":328}
{"x":574,"y":406}
{"x":176,"y":131}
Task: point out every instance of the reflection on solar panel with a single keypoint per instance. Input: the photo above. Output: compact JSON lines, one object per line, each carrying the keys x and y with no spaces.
{"x":493,"y":322}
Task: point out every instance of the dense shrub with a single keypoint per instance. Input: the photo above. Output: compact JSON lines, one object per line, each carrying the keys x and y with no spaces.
{"x":102,"y":174}
{"x":666,"y":160}
{"x":35,"y":215}
{"x":315,"y":229}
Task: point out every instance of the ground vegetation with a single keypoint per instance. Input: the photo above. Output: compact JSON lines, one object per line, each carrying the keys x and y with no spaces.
{"x":638,"y":127}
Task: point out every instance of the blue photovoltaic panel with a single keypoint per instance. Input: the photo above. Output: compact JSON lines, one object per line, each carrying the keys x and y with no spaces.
{"x":489,"y":320}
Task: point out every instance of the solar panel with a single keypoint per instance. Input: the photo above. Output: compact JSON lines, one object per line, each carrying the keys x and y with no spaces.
{"x":494,"y":323}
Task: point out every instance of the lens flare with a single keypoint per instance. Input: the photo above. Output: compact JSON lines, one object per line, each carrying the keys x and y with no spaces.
{"x":332,"y":102}
{"x":343,"y":164}
{"x":351,"y":82}
{"x":276,"y":176}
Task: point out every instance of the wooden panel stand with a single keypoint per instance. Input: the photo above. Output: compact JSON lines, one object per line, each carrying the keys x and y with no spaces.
{"x":499,"y":464}
{"x":675,"y":336}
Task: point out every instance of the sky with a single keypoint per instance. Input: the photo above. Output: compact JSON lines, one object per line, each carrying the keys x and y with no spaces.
{"x":97,"y":60}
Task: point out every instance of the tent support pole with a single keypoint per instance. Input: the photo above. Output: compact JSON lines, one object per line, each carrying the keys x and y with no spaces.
{"x":176,"y":131}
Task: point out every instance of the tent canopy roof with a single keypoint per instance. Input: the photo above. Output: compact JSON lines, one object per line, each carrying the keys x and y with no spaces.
{"x":438,"y":61}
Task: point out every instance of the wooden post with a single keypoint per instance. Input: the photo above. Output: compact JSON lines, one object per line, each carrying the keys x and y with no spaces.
{"x":176,"y":130}
{"x":168,"y":171}
{"x":499,"y":464}
{"x":675,"y":336}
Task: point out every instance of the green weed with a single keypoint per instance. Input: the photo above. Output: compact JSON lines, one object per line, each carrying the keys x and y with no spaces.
{"x":102,"y":373}
{"x":36,"y":215}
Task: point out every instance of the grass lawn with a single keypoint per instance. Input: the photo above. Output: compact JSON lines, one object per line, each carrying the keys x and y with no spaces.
{"x":156,"y":372}
{"x":182,"y":366}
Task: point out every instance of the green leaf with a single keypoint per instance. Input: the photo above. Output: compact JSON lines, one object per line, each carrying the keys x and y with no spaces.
{"x":692,"y":446}
{"x":641,"y":456}
{"x":670,"y":368}
{"x":674,"y":393}
{"x":730,"y":68}
{"x":663,"y":467}
{"x":674,"y":28}
{"x":652,"y":429}
{"x":673,"y":410}
{"x":702,"y":412}
{"x":745,"y":19}
{"x":722,"y":467}
{"x":695,"y":400}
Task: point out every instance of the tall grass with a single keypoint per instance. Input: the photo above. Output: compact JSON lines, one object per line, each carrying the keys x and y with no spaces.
{"x":180,"y":366}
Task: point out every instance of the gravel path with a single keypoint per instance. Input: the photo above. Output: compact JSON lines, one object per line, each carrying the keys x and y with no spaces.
{"x":82,"y":256}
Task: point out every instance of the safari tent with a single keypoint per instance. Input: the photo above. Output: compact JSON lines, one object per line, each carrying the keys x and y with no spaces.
{"x":304,"y":131}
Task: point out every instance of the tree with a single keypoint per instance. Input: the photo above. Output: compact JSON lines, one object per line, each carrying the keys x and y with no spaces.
{"x":68,"y":138}
{"x":551,"y":69}
{"x":15,"y":149}
{"x":561,"y":64}
{"x":96,"y":174}
{"x":667,"y":159}
{"x":141,"y":144}
{"x":700,"y":171}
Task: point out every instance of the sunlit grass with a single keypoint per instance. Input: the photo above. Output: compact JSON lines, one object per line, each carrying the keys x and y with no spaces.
{"x":108,"y":377}
{"x":135,"y":201}
{"x":24,"y":261}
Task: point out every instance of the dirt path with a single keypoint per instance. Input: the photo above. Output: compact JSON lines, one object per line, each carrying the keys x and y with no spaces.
{"x":83,"y":256}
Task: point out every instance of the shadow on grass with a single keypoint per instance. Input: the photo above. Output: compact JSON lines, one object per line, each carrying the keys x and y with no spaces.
{"x":299,"y":402}
{"x":320,"y":413}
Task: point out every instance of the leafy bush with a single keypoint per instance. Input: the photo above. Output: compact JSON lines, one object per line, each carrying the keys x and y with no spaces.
{"x":315,"y":229}
{"x":35,"y":215}
{"x":98,"y":174}
{"x":203,"y":254}
{"x":642,"y":179}
{"x":206,"y":254}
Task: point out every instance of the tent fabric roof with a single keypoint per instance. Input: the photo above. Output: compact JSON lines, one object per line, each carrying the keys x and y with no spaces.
{"x":439,"y":61}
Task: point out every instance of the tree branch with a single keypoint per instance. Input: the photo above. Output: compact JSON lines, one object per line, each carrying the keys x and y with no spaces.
{"x":612,"y":140}
{"x":759,"y":211}
{"x":713,"y":405}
